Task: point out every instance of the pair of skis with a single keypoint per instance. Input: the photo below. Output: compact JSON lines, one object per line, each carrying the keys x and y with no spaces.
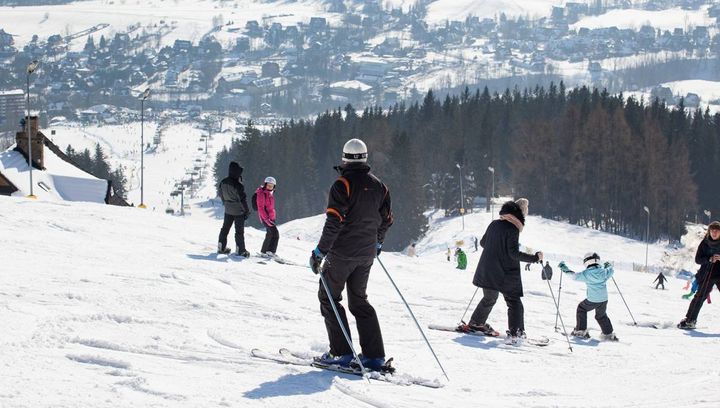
{"x":388,"y":374}
{"x":539,"y":341}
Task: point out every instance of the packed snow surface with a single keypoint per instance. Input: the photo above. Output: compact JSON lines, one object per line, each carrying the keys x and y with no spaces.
{"x":105,"y":306}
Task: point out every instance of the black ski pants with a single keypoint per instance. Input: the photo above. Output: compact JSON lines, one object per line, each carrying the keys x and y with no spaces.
{"x":516,"y":312}
{"x":339,"y":273}
{"x":239,"y":221}
{"x":600,"y":315}
{"x":704,"y":289}
{"x":660,"y":284}
{"x":272,"y":236}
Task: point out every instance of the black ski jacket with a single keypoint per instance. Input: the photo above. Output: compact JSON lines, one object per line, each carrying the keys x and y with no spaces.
{"x":232,"y":192}
{"x":705,"y":251}
{"x":358,"y":214}
{"x":499,"y":266}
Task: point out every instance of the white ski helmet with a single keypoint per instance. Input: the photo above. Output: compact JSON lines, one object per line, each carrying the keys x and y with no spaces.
{"x":591,"y":258}
{"x":270,"y":179}
{"x":355,"y":151}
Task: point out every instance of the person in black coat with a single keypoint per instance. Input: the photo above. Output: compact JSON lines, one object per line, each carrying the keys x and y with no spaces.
{"x":708,"y":257}
{"x":232,"y":193}
{"x":661,"y":279}
{"x":499,"y":270}
{"x":358,"y":216}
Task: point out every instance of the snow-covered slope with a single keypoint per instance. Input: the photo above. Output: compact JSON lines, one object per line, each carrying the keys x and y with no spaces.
{"x":105,"y":306}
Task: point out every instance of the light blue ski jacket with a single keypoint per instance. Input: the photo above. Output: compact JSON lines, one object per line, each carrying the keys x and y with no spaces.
{"x":596,"y":277}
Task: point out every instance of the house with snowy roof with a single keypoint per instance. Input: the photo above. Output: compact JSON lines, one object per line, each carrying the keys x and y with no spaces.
{"x":54,"y":175}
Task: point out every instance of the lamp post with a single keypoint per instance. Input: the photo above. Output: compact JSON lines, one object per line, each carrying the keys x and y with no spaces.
{"x":462,"y":198}
{"x":492,"y":194}
{"x":143,"y":97}
{"x":30,"y":69}
{"x":709,"y":215}
{"x":647,"y":237}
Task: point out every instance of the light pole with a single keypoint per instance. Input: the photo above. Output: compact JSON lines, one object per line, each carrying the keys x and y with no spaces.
{"x":143,"y":97}
{"x":709,"y":215}
{"x":492,"y":194}
{"x":30,"y":69}
{"x":647,"y":237}
{"x":462,"y":198}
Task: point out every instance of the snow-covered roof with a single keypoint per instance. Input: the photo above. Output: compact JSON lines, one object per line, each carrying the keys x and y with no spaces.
{"x":61,"y":181}
{"x":362,"y":86}
{"x":12,"y":92}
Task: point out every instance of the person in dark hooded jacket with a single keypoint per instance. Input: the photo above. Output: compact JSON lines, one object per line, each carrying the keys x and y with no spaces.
{"x":232,"y":193}
{"x":499,"y":271}
{"x":708,"y":257}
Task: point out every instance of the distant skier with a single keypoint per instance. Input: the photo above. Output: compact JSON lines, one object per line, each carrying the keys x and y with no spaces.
{"x":449,"y":252}
{"x":411,"y":251}
{"x":708,"y":257}
{"x":693,"y":288}
{"x":661,"y":279}
{"x":461,"y":258}
{"x":498,"y":271}
{"x":596,"y":277}
{"x":476,"y":242}
{"x":266,"y":213}
{"x":232,"y":193}
{"x":358,"y":215}
{"x":547,"y":271}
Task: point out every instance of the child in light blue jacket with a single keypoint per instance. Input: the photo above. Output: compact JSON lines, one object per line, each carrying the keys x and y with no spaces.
{"x":596,"y":277}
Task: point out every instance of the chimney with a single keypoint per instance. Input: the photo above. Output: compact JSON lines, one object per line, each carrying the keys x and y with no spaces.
{"x":38,"y":139}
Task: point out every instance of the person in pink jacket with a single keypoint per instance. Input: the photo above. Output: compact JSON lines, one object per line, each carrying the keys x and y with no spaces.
{"x":266,"y":212}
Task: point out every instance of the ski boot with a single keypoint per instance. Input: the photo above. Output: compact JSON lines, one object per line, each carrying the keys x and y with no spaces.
{"x":609,"y":337}
{"x":328,"y":359}
{"x":222,"y":249}
{"x":473,"y":327}
{"x":515,"y":339}
{"x":686,"y":324}
{"x":583,"y":334}
{"x":244,"y":253}
{"x":374,"y":364}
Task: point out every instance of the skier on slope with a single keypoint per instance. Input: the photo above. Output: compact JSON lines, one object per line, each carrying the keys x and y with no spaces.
{"x":708,"y":257}
{"x":232,"y":193}
{"x":547,"y":271}
{"x":266,"y":213}
{"x":661,"y":279}
{"x":596,"y":277}
{"x":358,"y":216}
{"x":461,"y":259}
{"x":498,"y":271}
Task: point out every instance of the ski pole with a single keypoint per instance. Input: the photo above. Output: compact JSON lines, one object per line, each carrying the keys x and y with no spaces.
{"x":557,"y":307}
{"x":623,"y":299}
{"x":340,"y":322}
{"x":557,"y":315}
{"x":462,"y":319}
{"x":413,"y":316}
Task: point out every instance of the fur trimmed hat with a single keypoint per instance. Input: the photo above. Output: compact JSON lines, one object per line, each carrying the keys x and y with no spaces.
{"x":523,"y":204}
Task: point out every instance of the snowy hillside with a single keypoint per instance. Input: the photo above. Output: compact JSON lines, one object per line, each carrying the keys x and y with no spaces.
{"x":105,"y":307}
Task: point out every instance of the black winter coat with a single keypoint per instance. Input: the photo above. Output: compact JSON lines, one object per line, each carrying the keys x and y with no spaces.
{"x":232,"y":192}
{"x":358,"y":214}
{"x":499,"y":266}
{"x":705,"y":251}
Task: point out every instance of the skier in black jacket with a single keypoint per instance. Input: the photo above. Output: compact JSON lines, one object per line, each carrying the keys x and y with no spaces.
{"x":708,"y":257}
{"x":358,"y":215}
{"x":499,"y":271}
{"x":661,"y":279}
{"x":232,"y":193}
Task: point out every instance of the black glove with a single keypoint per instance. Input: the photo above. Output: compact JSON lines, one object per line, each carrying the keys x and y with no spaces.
{"x":378,"y":247}
{"x":246,"y":216}
{"x":607,"y":265}
{"x":316,"y":258}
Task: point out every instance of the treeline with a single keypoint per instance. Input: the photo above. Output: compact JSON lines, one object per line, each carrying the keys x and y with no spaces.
{"x":582,"y":156}
{"x":97,"y":165}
